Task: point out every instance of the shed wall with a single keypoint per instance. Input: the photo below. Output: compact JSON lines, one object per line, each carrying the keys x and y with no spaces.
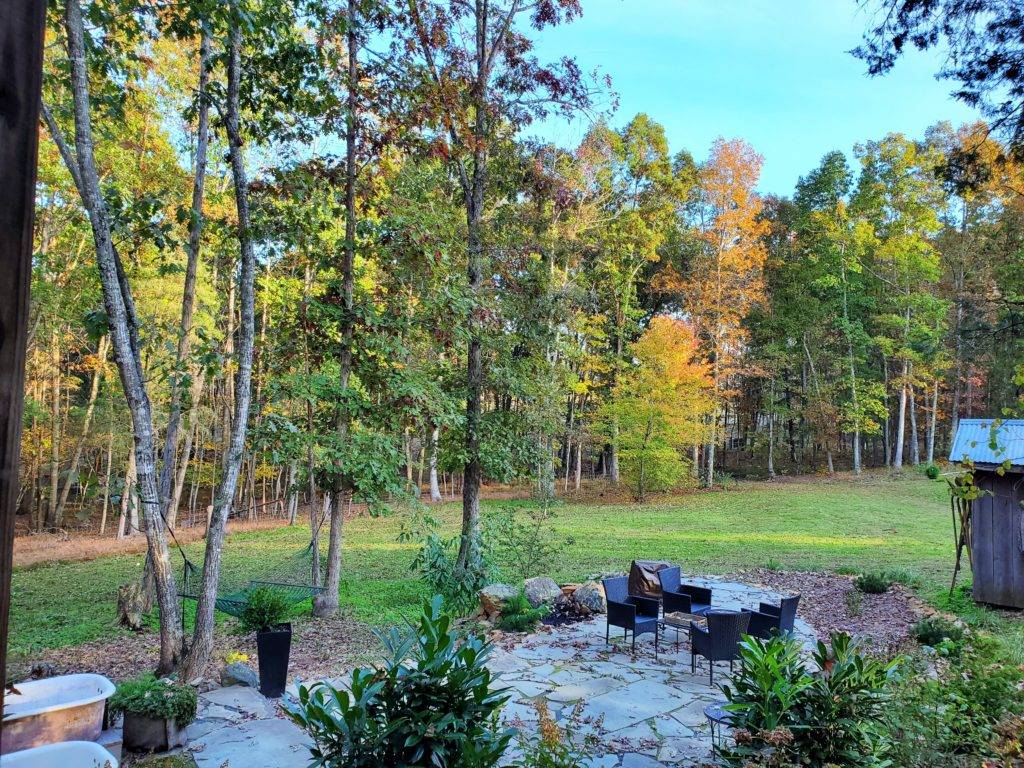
{"x":998,"y":547}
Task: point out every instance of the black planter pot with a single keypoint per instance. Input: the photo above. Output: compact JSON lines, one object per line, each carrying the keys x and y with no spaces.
{"x":147,"y":734}
{"x":274,"y":646}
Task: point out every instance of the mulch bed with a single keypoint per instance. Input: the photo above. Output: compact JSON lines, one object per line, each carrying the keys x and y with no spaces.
{"x":826,"y":603}
{"x":320,"y":648}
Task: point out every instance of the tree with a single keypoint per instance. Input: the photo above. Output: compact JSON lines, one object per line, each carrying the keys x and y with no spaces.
{"x":725,"y":278}
{"x":985,"y":40}
{"x":479,"y":85}
{"x":122,"y":319}
{"x":659,"y":406}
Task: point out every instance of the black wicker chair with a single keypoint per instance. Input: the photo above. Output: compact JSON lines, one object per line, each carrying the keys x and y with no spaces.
{"x":682,"y":598}
{"x":773,"y":619}
{"x":720,"y":641}
{"x":632,"y":613}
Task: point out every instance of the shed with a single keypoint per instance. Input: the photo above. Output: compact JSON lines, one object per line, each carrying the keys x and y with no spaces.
{"x":997,"y":516}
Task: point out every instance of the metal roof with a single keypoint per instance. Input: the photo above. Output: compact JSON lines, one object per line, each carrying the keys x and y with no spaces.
{"x":974,"y":440}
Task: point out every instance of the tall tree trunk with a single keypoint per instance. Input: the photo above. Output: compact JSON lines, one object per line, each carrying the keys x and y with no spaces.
{"x":94,"y":388}
{"x":202,"y":639}
{"x":897,"y":460}
{"x":53,"y":520}
{"x":188,"y":303}
{"x":106,"y":483}
{"x":915,"y":445}
{"x":933,"y":416}
{"x":122,"y":319}
{"x":435,"y":490}
{"x":474,"y":189}
{"x":327,"y":602}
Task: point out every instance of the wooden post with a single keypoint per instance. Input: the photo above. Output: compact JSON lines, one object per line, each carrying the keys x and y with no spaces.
{"x":21,"y":74}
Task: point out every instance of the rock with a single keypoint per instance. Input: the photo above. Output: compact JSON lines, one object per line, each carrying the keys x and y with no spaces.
{"x":238,"y":673}
{"x":493,"y":598}
{"x":590,"y":598}
{"x":540,"y":590}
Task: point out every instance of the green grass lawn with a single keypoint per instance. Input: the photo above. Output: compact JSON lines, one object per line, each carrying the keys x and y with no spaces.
{"x":847,"y":525}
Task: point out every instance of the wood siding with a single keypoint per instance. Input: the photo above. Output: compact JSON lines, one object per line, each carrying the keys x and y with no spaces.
{"x":998,"y":555}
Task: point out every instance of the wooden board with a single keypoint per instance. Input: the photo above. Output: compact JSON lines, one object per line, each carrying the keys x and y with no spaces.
{"x":997,"y":518}
{"x":21,"y":71}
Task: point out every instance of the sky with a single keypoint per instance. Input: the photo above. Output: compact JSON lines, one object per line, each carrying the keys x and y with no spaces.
{"x":776,"y":73}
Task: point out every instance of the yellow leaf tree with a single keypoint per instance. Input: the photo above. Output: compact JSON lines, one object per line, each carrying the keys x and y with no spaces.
{"x":660,"y":406}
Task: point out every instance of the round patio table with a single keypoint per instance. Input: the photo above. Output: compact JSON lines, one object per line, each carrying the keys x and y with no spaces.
{"x":718,"y":718}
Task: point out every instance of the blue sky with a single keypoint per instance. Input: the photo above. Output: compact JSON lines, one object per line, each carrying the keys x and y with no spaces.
{"x":773,"y":72}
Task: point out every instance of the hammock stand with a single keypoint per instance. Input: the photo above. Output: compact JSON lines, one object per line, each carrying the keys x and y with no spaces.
{"x":287,"y":581}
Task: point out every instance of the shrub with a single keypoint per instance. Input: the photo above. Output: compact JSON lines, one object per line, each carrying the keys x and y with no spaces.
{"x":932,"y":472}
{"x":265,"y":607}
{"x":436,"y":563}
{"x":431,"y":703}
{"x":952,"y":716}
{"x":553,"y":746}
{"x":873,"y":583}
{"x":933,"y":630}
{"x":517,"y":615}
{"x":158,"y":698}
{"x":782,"y":714}
{"x":524,"y":539}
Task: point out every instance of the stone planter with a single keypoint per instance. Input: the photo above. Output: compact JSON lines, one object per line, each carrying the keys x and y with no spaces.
{"x":150,"y":734}
{"x":274,"y":647}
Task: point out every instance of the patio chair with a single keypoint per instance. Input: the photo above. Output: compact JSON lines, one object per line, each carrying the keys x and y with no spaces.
{"x":720,"y":641}
{"x":773,"y":619}
{"x":682,"y":598}
{"x":632,"y":613}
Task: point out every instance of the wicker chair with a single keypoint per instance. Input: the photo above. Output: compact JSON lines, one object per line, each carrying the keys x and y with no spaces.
{"x":682,"y":598}
{"x":720,"y":641}
{"x":773,"y":619}
{"x":632,"y":613}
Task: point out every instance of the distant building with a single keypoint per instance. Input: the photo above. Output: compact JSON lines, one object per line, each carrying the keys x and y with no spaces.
{"x":997,"y":517}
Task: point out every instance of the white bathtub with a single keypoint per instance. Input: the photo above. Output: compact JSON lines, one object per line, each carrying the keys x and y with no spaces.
{"x":64,"y":708}
{"x":67,"y":754}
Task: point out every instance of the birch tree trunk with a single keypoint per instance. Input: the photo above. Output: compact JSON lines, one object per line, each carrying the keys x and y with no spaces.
{"x":122,"y":319}
{"x":435,"y":490}
{"x":169,"y":498}
{"x":915,"y":446}
{"x":897,"y":459}
{"x":53,"y":520}
{"x":202,"y":638}
{"x":933,"y":415}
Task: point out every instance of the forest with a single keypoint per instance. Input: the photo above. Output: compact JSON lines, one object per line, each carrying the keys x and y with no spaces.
{"x":296,"y":259}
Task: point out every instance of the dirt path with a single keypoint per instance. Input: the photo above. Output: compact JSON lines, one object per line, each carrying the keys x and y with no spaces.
{"x":36,"y":548}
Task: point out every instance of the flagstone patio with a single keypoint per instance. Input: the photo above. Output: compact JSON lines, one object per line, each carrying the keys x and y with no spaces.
{"x":645,"y":713}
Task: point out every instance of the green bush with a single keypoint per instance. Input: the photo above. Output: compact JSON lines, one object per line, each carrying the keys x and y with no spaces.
{"x":265,"y":608}
{"x":431,"y":703}
{"x":158,"y":698}
{"x":436,"y":563}
{"x":517,"y":615}
{"x":784,"y":714}
{"x":523,"y":540}
{"x":948,"y":713}
{"x":933,"y":630}
{"x":873,"y":583}
{"x":932,"y":472}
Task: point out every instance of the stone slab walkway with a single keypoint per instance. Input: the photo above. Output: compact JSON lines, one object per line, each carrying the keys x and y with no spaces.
{"x":644,"y":713}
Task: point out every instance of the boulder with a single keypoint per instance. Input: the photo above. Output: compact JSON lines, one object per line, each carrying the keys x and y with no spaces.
{"x":590,"y":598}
{"x":239,"y":673}
{"x":493,"y":598}
{"x":540,"y":590}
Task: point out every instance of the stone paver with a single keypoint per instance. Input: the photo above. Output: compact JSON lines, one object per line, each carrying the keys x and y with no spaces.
{"x":645,"y":713}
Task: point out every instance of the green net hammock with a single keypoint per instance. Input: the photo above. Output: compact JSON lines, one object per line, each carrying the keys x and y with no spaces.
{"x":293,"y":578}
